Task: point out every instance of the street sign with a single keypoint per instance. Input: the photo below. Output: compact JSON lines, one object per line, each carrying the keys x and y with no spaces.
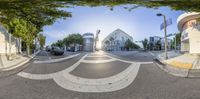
{"x":171,"y":34}
{"x":168,"y":22}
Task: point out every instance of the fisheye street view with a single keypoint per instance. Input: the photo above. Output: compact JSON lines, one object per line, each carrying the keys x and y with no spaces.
{"x":99,"y":49}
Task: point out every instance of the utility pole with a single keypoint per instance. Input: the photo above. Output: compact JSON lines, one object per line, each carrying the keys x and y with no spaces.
{"x":166,"y":42}
{"x":175,"y":42}
{"x":165,"y":30}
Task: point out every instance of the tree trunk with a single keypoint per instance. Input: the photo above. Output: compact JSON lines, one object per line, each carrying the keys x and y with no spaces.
{"x":20,"y":46}
{"x":9,"y":41}
{"x":27,"y":49}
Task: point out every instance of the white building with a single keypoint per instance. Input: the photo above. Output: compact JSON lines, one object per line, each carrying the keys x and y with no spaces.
{"x":115,"y":41}
{"x":189,"y":25}
{"x":4,"y":43}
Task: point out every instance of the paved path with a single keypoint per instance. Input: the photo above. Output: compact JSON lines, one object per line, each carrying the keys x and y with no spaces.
{"x":52,"y":81}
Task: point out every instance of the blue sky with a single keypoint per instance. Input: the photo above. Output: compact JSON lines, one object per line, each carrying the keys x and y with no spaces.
{"x":140,"y":23}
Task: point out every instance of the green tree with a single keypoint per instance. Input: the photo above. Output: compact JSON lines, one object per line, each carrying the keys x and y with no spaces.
{"x":42,"y":40}
{"x":23,"y":29}
{"x":36,"y":12}
{"x":25,"y":19}
{"x":178,"y":40}
{"x":59,"y":43}
{"x":145,"y":43}
{"x":130,"y":45}
{"x":73,"y":39}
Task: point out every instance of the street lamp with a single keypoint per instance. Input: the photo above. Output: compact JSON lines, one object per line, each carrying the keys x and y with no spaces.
{"x":166,"y":43}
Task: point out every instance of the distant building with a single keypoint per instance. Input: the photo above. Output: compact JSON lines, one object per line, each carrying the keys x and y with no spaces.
{"x":74,"y":47}
{"x":158,"y":43}
{"x":4,"y":43}
{"x":115,"y":41}
{"x":189,"y":25}
{"x":88,"y":44}
{"x":155,"y":43}
{"x":169,"y":45}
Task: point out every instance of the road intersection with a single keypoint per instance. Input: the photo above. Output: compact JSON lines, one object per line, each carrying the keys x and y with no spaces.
{"x":115,"y":76}
{"x":98,"y":76}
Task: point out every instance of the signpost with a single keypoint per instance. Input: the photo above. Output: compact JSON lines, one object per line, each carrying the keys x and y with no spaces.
{"x":164,"y":25}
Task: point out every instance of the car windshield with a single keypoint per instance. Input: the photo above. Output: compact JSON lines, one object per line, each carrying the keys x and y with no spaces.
{"x":57,"y":48}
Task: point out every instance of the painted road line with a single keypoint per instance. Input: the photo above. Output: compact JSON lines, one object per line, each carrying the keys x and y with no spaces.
{"x":36,"y":76}
{"x":100,"y":81}
{"x":56,"y":60}
{"x":96,"y":56}
{"x":98,"y":61}
{"x":71,"y":82}
{"x":66,"y":83}
{"x":127,"y":61}
{"x":71,"y":68}
{"x":152,"y":54}
{"x":47,"y":76}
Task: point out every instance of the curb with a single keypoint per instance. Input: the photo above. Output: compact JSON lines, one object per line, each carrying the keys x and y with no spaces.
{"x":188,"y":73}
{"x":16,"y":68}
{"x":172,"y":70}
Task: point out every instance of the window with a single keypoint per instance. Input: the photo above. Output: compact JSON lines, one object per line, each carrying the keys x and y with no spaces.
{"x":122,"y":38}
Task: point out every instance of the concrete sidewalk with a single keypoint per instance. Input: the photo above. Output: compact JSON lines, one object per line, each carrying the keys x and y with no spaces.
{"x":8,"y":67}
{"x":184,"y":65}
{"x":185,"y":61}
{"x":17,"y":59}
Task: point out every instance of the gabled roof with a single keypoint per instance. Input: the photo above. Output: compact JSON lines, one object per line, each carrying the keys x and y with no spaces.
{"x":112,"y":33}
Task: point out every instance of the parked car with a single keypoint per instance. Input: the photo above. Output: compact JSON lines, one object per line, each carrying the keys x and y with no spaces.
{"x":48,"y":49}
{"x":57,"y":51}
{"x":71,"y":49}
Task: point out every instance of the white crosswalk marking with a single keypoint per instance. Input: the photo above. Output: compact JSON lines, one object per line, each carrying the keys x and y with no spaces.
{"x":70,"y":82}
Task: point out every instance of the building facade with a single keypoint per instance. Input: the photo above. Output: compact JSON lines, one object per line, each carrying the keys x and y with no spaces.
{"x":115,"y":41}
{"x":169,"y":44}
{"x":5,"y":47}
{"x":189,"y":26}
{"x":155,"y":43}
{"x":158,"y":43}
{"x":88,"y":43}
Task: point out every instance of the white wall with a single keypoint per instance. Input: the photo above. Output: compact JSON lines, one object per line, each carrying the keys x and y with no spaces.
{"x":4,"y":45}
{"x":194,"y":39}
{"x":185,"y":47}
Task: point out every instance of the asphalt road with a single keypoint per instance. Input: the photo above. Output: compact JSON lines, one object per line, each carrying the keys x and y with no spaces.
{"x":150,"y":82}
